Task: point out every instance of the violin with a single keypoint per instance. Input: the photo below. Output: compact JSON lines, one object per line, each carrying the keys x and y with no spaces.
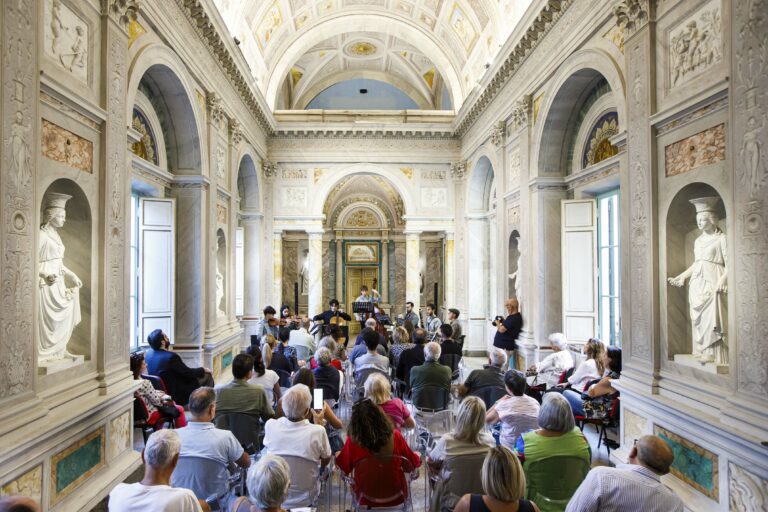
{"x":277,"y":322}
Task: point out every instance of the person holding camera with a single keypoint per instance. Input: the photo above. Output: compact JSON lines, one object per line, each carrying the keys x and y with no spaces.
{"x":507,"y":331}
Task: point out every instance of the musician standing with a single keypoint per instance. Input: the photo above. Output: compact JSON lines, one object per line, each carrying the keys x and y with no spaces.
{"x":268,"y":324}
{"x":433,"y":321}
{"x":374,"y":298}
{"x":410,"y":314}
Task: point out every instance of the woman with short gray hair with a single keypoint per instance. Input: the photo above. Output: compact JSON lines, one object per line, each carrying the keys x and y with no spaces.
{"x":268,"y":482}
{"x":327,"y":377}
{"x":557,"y":434}
{"x":550,"y":369}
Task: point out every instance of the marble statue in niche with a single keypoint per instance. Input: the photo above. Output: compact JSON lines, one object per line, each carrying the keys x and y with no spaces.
{"x":304,"y":274}
{"x":707,"y":285}
{"x":221,"y":259}
{"x":59,"y":286}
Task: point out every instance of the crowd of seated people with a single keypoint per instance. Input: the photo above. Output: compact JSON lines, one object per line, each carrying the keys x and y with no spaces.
{"x":539,"y":455}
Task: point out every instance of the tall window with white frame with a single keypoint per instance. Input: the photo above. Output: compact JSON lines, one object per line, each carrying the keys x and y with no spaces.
{"x":608,"y":268}
{"x":134,"y":293}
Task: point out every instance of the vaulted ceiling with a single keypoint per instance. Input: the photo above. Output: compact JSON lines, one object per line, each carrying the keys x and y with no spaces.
{"x":450,"y":41}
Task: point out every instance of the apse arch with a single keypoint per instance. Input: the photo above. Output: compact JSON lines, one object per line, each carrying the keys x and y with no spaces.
{"x":480,"y":185}
{"x":248,"y":186}
{"x":157,"y":67}
{"x":316,"y":88}
{"x":364,"y":22}
{"x":571,"y":85}
{"x":333,"y":177}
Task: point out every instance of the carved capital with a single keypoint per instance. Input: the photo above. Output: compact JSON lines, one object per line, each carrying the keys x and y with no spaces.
{"x":122,"y":11}
{"x":215,"y":110}
{"x":521,"y":111}
{"x":235,"y":132}
{"x":498,"y":132}
{"x":632,"y":15}
{"x":459,"y":169}
{"x":269,"y":169}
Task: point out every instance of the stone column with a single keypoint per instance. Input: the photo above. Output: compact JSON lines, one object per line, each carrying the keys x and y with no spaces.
{"x":640,"y":290}
{"x":340,"y":269}
{"x":315,"y":257}
{"x":277,"y":266}
{"x":252,"y":227}
{"x":412,"y":281}
{"x":19,"y":214}
{"x":116,"y":181}
{"x":384,"y":256}
{"x":449,"y":266}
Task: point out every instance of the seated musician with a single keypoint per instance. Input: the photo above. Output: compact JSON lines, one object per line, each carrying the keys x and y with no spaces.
{"x":334,"y":310}
{"x":287,"y":319}
{"x":381,"y":316}
{"x":334,"y":316}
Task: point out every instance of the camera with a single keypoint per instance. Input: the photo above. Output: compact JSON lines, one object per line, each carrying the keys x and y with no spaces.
{"x":496,"y":321}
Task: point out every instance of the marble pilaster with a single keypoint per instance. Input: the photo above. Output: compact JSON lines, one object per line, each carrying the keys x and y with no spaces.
{"x":252,"y":225}
{"x":479,"y":291}
{"x":315,"y":295}
{"x":412,"y":281}
{"x":450,"y":270}
{"x":384,"y":272}
{"x":277,"y":266}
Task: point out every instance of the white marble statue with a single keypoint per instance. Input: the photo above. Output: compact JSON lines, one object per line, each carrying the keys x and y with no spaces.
{"x":219,"y":292}
{"x":518,"y":280}
{"x":707,"y":283}
{"x":59,"y":303}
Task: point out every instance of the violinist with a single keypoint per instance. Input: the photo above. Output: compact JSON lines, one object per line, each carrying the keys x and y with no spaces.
{"x":288,"y":320}
{"x":267,"y":325}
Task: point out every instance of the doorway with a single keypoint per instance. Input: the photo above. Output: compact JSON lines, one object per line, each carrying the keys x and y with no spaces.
{"x":357,"y":277}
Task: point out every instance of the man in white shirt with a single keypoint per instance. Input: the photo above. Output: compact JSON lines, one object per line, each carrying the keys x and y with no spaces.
{"x":293,"y":434}
{"x":200,"y":438}
{"x":154,"y":492}
{"x":302,"y":337}
{"x":552,"y":367}
{"x":632,"y":486}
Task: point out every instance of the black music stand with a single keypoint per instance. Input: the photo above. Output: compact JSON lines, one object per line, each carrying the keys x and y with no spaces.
{"x":363,"y":308}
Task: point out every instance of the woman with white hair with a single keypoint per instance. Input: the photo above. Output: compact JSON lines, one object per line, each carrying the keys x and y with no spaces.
{"x":268,"y":482}
{"x":327,"y":377}
{"x":557,"y":433}
{"x":467,"y":438}
{"x":552,"y":367}
{"x":379,"y":390}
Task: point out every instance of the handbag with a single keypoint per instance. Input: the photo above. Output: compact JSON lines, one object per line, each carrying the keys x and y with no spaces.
{"x":169,"y":410}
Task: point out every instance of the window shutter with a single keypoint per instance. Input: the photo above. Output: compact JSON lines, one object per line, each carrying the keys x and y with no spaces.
{"x":579,"y":269}
{"x":157,"y":221}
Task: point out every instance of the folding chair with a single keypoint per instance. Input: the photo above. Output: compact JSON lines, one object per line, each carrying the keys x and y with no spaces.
{"x":308,"y":480}
{"x":141,"y":419}
{"x":432,"y":403}
{"x":246,"y":428}
{"x":360,"y":377}
{"x":602,"y":424}
{"x":207,"y":478}
{"x":451,"y":361}
{"x":382,"y":482}
{"x":489,"y":394}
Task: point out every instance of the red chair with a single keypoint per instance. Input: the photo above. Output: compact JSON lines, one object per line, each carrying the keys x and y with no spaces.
{"x":382,"y":482}
{"x":141,"y":419}
{"x":602,"y":425}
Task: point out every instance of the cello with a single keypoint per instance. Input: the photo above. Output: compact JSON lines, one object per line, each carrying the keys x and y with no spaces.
{"x":341,"y":324}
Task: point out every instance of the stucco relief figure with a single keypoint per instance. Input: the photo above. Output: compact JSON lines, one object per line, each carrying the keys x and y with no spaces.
{"x":755,"y":172}
{"x":59,"y":286}
{"x":77,"y":54}
{"x":20,"y":156}
{"x":707,"y":285}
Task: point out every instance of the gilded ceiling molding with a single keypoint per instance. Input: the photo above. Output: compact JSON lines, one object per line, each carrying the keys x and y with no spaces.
{"x":632,"y":15}
{"x":195,"y":13}
{"x":540,"y":27}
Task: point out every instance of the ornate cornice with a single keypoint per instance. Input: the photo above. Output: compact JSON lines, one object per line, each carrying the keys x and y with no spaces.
{"x":122,"y":11}
{"x":540,"y":27}
{"x":521,"y":112}
{"x":195,"y":13}
{"x":632,"y":15}
{"x":343,"y":132}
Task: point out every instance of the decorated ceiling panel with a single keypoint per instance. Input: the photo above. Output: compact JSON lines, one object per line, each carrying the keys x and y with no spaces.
{"x":454,"y":38}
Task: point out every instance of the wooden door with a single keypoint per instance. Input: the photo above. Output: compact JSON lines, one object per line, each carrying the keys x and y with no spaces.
{"x":356,"y":277}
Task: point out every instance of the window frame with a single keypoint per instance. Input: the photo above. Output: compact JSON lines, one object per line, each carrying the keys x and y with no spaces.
{"x":614,"y":266}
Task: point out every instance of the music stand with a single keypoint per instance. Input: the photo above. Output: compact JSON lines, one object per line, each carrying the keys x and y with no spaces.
{"x":363,"y":308}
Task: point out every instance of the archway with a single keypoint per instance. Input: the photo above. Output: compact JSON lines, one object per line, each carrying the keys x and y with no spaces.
{"x":248,"y":281}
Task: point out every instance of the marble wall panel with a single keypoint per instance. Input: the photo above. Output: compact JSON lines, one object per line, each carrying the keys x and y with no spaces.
{"x":65,"y":147}
{"x":433,"y":273}
{"x":75,"y":464}
{"x":635,"y":426}
{"x":119,"y":435}
{"x":748,"y":492}
{"x":694,"y":465}
{"x":703,"y":148}
{"x":399,"y":266}
{"x":434,"y":198}
{"x":329,"y":272}
{"x":27,"y":484}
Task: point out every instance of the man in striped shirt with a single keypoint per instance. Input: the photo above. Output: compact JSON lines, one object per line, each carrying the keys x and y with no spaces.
{"x":633,"y":486}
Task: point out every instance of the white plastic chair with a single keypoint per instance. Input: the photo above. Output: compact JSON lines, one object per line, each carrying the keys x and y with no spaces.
{"x":307,"y":482}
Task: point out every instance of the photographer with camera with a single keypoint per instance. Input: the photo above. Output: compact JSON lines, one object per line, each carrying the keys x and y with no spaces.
{"x":507,"y":331}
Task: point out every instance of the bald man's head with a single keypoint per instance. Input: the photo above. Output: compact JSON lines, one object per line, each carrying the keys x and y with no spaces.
{"x":18,"y":504}
{"x":652,"y":452}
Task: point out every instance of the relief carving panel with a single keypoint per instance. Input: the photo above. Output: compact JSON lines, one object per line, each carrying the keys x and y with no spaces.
{"x":433,"y":198}
{"x":696,"y":44}
{"x":119,"y":435}
{"x":65,"y":147}
{"x":66,"y":38}
{"x":293,"y":196}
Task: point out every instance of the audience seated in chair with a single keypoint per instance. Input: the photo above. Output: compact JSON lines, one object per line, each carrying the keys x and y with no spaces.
{"x":448,"y":345}
{"x":327,"y":377}
{"x":632,"y":486}
{"x":268,"y":482}
{"x":378,"y":389}
{"x":239,"y":395}
{"x":401,"y":341}
{"x":283,"y":355}
{"x":490,"y":376}
{"x":154,"y":491}
{"x":467,"y":438}
{"x":337,"y":352}
{"x":17,"y":503}
{"x":372,"y":357}
{"x":411,"y":357}
{"x":306,"y":377}
{"x":552,"y":367}
{"x":431,"y":372}
{"x":158,"y":404}
{"x":591,"y":369}
{"x":557,"y":433}
{"x":180,"y":379}
{"x":503,"y":486}
{"x":516,"y":411}
{"x":201,"y":439}
{"x":600,"y":395}
{"x":370,"y":433}
{"x":262,"y":375}
{"x":301,"y":338}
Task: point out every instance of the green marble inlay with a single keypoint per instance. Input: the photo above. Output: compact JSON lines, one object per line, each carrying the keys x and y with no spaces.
{"x":692,"y":465}
{"x":226,"y":360}
{"x":77,"y":463}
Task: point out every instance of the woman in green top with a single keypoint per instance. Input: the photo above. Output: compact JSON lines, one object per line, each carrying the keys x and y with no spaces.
{"x":557,"y":434}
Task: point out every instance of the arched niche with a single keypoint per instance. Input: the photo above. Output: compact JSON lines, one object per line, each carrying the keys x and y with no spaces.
{"x":481,"y":189}
{"x":221,"y":274}
{"x":513,"y":262}
{"x":248,"y":184}
{"x":77,"y":239}
{"x":681,"y":234}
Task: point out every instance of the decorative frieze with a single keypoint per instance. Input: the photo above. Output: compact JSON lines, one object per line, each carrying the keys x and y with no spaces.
{"x":66,"y":38}
{"x":65,"y":147}
{"x":703,"y":148}
{"x":294,"y":174}
{"x":433,"y":174}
